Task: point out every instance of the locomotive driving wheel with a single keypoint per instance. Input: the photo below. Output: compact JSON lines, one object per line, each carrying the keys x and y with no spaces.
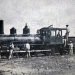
{"x":52,"y":51}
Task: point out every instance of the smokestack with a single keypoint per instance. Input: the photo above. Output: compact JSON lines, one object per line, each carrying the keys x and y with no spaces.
{"x":1,"y":27}
{"x":67,"y":34}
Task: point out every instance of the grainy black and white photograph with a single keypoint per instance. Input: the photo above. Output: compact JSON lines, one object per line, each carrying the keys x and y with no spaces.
{"x":37,"y":37}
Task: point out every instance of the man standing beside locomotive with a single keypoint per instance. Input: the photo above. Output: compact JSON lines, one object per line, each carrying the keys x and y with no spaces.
{"x":28,"y":49}
{"x":11,"y":50}
{"x":71,"y":48}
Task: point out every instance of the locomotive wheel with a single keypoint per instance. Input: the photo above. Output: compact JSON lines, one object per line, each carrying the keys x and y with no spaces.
{"x":53,"y":51}
{"x":4,"y":55}
{"x":61,"y":51}
{"x":47,"y":53}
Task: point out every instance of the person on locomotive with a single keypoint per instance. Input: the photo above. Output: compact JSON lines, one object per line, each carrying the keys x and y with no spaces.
{"x":11,"y":50}
{"x":58,"y":35}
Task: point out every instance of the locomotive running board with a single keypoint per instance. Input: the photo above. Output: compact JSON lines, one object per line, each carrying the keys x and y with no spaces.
{"x":32,"y":51}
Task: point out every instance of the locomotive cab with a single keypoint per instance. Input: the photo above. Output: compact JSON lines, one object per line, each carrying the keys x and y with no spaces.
{"x":52,"y":38}
{"x":52,"y":35}
{"x":55,"y":36}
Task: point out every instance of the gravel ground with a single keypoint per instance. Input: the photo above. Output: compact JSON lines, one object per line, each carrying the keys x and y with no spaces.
{"x":45,"y":65}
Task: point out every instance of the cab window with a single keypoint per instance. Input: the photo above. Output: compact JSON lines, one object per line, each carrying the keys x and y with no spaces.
{"x":52,"y":33}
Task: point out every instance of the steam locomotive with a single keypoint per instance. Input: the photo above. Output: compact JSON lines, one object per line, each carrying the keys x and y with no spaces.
{"x":47,"y":39}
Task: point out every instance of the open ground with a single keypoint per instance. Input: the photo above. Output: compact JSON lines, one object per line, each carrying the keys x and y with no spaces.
{"x":42,"y":65}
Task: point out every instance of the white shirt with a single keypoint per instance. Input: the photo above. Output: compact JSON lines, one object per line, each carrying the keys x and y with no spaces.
{"x":27,"y":45}
{"x":71,"y":44}
{"x":12,"y":45}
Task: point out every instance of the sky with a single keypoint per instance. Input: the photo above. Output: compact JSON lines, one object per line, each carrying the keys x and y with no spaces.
{"x":37,"y":14}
